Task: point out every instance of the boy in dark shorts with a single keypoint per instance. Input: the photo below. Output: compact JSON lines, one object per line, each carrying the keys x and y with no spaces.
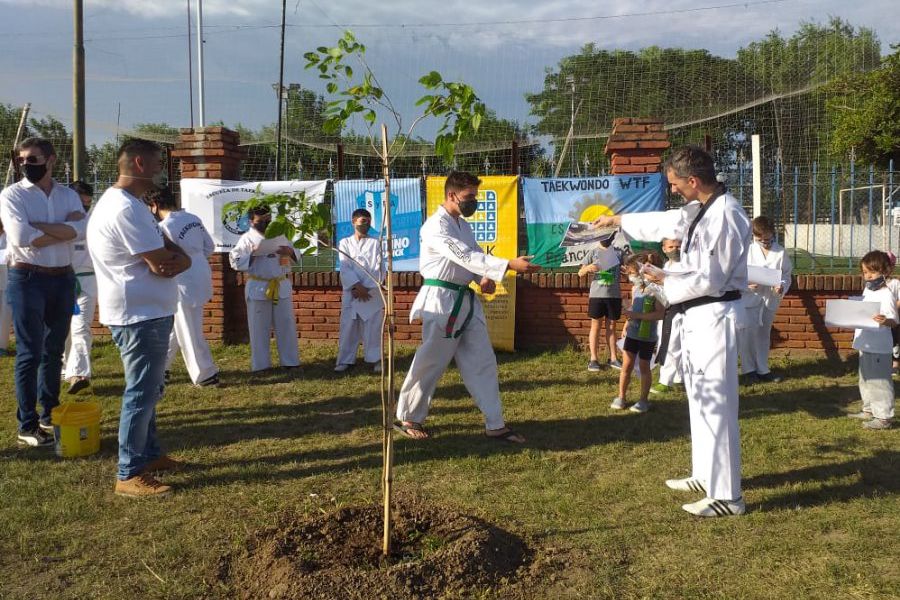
{"x":640,"y":330}
{"x":604,"y":301}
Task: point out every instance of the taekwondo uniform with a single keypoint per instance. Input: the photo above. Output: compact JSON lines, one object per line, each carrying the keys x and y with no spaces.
{"x":77,"y":361}
{"x":5,"y":308}
{"x":267,"y":291}
{"x":361,"y":321}
{"x":713,"y":270}
{"x":453,"y":322}
{"x":194,"y":291}
{"x":760,"y":306}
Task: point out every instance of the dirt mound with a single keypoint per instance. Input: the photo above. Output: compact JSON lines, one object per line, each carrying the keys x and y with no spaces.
{"x":436,"y":553}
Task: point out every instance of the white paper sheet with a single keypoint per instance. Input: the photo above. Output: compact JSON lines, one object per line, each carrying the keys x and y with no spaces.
{"x":267,"y":247}
{"x":763,"y":275}
{"x":851,"y":314}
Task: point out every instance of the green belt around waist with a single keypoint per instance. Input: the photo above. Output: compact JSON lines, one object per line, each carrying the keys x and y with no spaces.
{"x":461,"y":292}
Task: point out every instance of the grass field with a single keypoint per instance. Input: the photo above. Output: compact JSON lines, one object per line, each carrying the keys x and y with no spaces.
{"x":822,"y":493}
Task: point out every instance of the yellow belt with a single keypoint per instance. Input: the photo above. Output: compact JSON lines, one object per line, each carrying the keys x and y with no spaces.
{"x":272,"y":288}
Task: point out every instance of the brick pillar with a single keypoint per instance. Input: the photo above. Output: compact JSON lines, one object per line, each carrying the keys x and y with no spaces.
{"x":636,"y":145}
{"x":213,"y":153}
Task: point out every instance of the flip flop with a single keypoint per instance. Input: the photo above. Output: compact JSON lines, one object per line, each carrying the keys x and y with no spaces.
{"x":405,"y":429}
{"x":506,"y":436}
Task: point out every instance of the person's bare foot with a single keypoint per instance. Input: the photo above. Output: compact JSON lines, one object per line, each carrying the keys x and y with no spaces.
{"x":505,"y":434}
{"x":412,"y":430}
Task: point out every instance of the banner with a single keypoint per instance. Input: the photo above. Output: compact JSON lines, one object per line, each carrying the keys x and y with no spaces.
{"x":551,"y":205}
{"x":406,"y":214}
{"x":206,"y":198}
{"x":495,"y":224}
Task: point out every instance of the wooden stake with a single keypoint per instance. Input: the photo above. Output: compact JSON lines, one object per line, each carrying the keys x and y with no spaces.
{"x":388,"y":406}
{"x":22,"y":119}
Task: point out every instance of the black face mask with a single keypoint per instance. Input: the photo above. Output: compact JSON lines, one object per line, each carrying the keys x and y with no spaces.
{"x":875,"y":284}
{"x":363,"y":229}
{"x":34,"y":173}
{"x":468,"y":207}
{"x":260,"y":226}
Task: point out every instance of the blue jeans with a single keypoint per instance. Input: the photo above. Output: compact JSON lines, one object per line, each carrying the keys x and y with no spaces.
{"x":143,"y":347}
{"x":42,"y":310}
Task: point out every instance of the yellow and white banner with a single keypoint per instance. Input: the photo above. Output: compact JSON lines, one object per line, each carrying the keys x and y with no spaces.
{"x":496,"y":228}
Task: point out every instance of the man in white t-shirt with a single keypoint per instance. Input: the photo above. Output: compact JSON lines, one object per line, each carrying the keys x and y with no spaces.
{"x":135,"y":266}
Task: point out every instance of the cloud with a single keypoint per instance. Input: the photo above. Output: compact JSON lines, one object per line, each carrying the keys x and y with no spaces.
{"x":155,"y":8}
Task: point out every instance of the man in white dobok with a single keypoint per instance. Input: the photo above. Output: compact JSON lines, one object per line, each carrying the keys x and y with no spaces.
{"x":706,"y":289}
{"x":362,"y":309}
{"x":186,"y":231}
{"x":453,"y":323}
{"x":268,"y":293}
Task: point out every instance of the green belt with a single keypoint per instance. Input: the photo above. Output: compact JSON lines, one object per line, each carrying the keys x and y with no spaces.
{"x":78,"y":282}
{"x":461,"y":292}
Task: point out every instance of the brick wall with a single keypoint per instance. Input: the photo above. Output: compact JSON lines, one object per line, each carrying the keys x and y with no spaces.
{"x":635,"y":145}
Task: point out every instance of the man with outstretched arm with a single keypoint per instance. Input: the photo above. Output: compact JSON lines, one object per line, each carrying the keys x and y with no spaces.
{"x":453,"y":323}
{"x":705,"y":289}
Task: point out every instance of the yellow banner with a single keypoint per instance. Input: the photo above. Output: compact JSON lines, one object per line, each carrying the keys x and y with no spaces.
{"x":496,"y":228}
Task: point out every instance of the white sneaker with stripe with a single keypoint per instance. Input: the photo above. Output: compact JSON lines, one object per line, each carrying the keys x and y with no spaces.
{"x":688,"y":484}
{"x":716,"y":508}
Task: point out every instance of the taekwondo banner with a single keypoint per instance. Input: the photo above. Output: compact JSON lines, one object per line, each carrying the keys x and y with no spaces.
{"x":206,"y":198}
{"x":552,"y":206}
{"x":496,"y":227}
{"x":406,"y":214}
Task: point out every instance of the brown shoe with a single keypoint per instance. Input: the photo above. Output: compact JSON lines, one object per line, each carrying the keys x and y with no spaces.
{"x":141,"y":486}
{"x":164,"y":463}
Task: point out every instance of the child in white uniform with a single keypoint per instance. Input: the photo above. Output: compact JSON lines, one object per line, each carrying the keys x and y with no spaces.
{"x":669,"y":353}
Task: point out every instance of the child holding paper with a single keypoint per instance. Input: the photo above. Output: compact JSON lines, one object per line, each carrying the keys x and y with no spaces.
{"x":640,"y":330}
{"x":876,"y":385}
{"x":669,"y":354}
{"x":761,"y":302}
{"x":604,"y":299}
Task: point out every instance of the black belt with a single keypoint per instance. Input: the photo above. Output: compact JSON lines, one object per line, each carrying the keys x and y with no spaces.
{"x":54,"y":271}
{"x":729,"y":296}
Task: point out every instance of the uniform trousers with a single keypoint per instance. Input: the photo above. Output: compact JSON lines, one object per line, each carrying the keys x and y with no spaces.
{"x":262,"y":317}
{"x":475,"y":360}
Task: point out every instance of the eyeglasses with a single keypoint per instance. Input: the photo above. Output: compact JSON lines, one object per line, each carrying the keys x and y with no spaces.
{"x":31,"y":160}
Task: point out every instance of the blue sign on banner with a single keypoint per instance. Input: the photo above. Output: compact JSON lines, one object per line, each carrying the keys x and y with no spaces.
{"x":406,"y":214}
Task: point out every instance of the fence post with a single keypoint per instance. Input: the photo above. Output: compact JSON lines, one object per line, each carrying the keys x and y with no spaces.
{"x":796,"y":208}
{"x":890,"y":191}
{"x":852,"y":211}
{"x":871,"y":204}
{"x":815,"y":182}
{"x":757,"y":175}
{"x":514,"y":157}
{"x":833,"y":189}
{"x":340,"y":161}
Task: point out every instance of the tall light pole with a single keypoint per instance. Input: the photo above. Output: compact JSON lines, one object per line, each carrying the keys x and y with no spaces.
{"x":570,"y":79}
{"x":201,"y":104}
{"x":78,"y":150}
{"x":281,"y":94}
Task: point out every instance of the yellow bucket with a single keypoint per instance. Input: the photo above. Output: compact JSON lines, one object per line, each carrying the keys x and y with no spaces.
{"x":76,"y":426}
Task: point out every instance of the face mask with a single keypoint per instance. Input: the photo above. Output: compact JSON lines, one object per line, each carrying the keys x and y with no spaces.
{"x":674,"y":255}
{"x":874,"y":284}
{"x":468,"y":207}
{"x":765,"y":243}
{"x":260,"y":226}
{"x":363,"y":229}
{"x":34,"y":173}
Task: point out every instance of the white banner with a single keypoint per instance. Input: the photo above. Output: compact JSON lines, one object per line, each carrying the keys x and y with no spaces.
{"x":206,"y":198}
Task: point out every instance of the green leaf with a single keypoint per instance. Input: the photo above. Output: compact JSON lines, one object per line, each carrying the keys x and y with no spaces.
{"x":332,"y":87}
{"x":335,"y":52}
{"x":370,"y":117}
{"x":348,"y":71}
{"x":431,"y":80}
{"x":276,"y":227}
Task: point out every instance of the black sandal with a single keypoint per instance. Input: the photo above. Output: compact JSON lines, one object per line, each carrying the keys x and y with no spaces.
{"x":405,"y":429}
{"x":506,"y":436}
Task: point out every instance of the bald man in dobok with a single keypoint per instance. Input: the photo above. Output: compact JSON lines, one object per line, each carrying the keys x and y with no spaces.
{"x":706,"y":290}
{"x":453,"y":323}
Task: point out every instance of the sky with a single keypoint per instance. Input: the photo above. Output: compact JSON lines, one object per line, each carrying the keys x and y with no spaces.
{"x":137,"y":51}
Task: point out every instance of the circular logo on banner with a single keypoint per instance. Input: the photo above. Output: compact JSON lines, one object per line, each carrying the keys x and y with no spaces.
{"x":236,"y":222}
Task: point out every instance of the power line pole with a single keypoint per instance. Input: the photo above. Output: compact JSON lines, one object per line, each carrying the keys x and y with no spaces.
{"x":280,"y":95}
{"x":201,"y":105}
{"x":78,"y":150}
{"x":190,"y":66}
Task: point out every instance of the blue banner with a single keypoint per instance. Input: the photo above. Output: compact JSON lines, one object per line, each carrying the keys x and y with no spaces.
{"x":406,"y":214}
{"x":552,"y":204}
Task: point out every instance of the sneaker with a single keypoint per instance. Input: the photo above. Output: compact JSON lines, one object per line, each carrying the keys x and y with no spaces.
{"x":641,"y":406}
{"x":341,"y":368}
{"x":749,"y":378}
{"x":863,"y":414}
{"x":78,"y":384}
{"x":212,"y":381}
{"x":877,"y":424}
{"x":45,"y":427}
{"x":376,"y":368}
{"x":593,"y":366}
{"x":36,"y":438}
{"x":141,"y":486}
{"x":688,"y":484}
{"x":660,"y":388}
{"x":768,"y":378}
{"x":617,"y":404}
{"x":614,"y":364}
{"x":164,"y":463}
{"x":716,"y":508}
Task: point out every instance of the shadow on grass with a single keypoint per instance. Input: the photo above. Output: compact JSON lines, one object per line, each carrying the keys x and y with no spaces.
{"x":875,"y":475}
{"x":822,"y":403}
